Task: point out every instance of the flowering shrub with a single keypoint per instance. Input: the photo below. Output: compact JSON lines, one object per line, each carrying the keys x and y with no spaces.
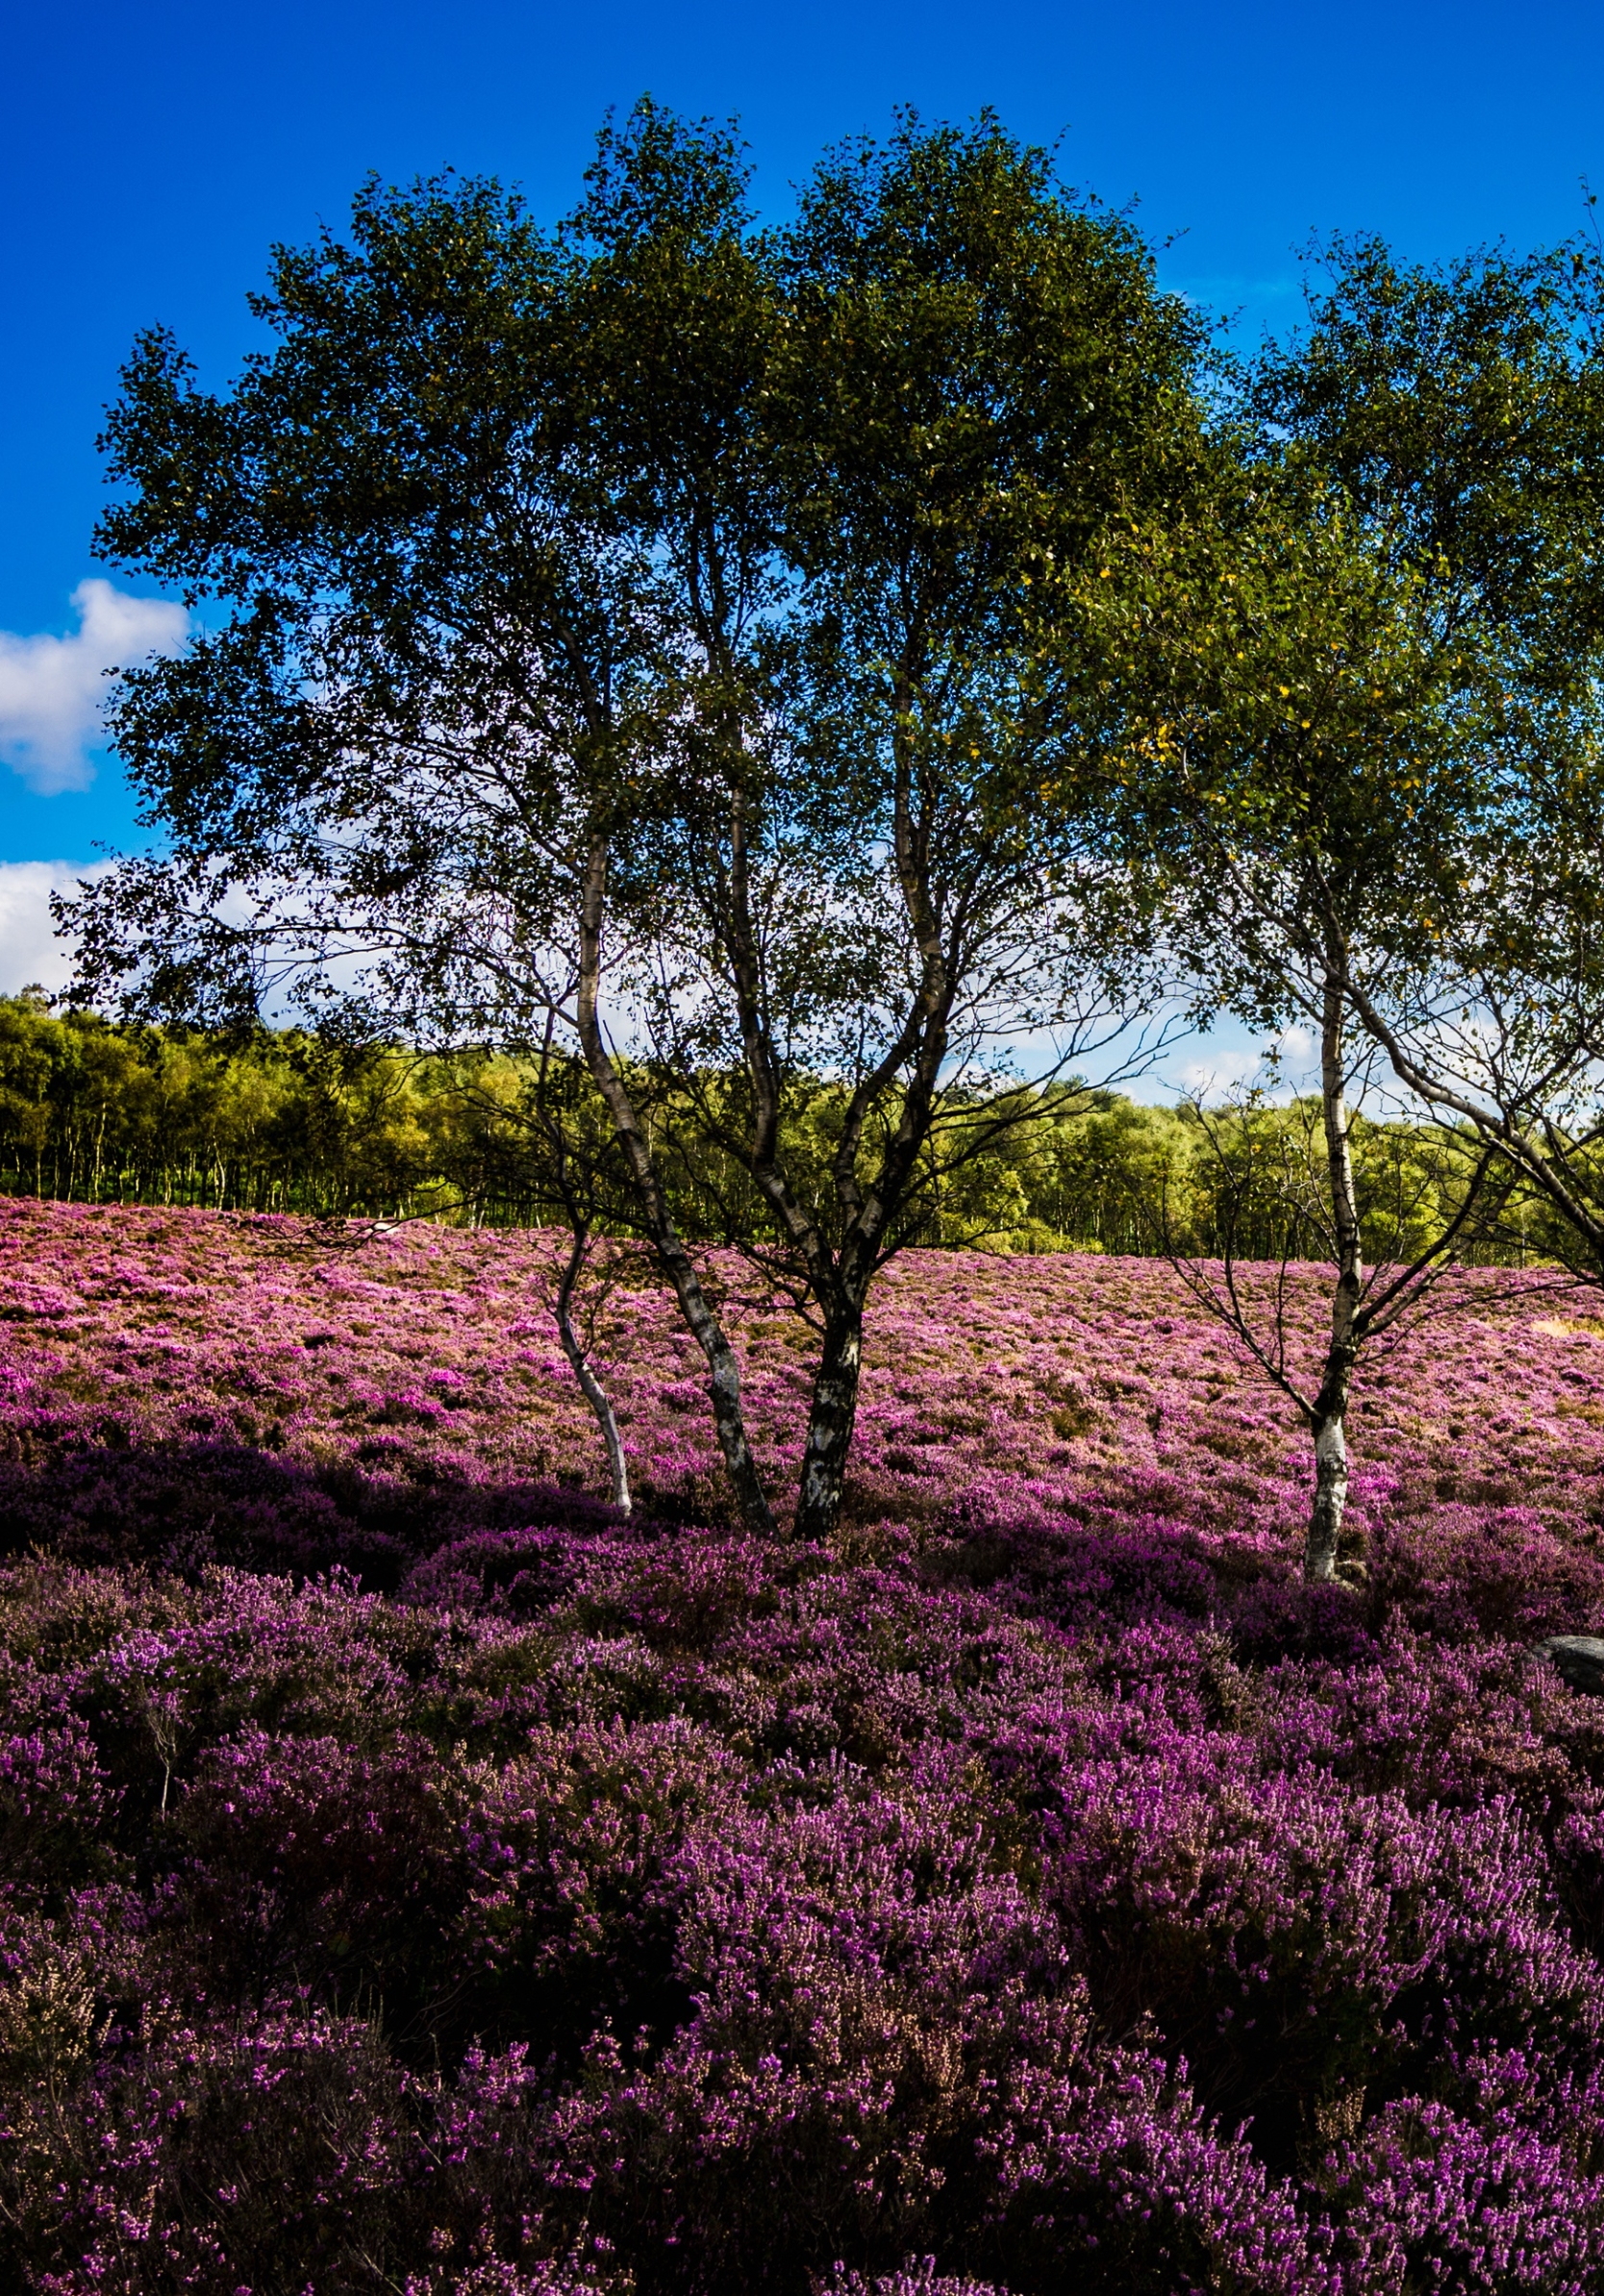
{"x":414,"y":1878}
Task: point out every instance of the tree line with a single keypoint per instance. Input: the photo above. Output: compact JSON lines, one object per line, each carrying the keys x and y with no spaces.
{"x":92,"y":1111}
{"x":805,"y":693}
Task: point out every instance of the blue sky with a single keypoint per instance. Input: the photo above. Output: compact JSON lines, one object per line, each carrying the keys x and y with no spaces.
{"x":152,"y":155}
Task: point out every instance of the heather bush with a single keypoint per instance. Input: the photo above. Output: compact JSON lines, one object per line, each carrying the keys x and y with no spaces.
{"x":1427,"y":2200}
{"x":912,"y":2281}
{"x":192,"y":2155}
{"x":575,"y":1889}
{"x":54,"y":1797}
{"x":1041,"y":1888}
{"x":300,"y":1865}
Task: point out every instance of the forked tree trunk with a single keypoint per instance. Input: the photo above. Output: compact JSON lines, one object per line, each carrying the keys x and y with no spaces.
{"x":723,"y":1386}
{"x":723,"y":1365}
{"x":594,"y":1393}
{"x":830,"y":1424}
{"x":658,"y":1221}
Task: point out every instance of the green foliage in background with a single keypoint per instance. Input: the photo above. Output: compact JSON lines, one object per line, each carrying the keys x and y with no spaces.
{"x":94,"y":1112}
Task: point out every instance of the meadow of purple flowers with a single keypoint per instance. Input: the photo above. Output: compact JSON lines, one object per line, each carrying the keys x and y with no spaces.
{"x":414,"y":1878}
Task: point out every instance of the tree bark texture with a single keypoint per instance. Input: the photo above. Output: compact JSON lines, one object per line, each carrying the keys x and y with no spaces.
{"x":830,"y":1424}
{"x":839,"y":1277}
{"x":594,"y":1393}
{"x":1328,"y":1418}
{"x":1331,"y":1496}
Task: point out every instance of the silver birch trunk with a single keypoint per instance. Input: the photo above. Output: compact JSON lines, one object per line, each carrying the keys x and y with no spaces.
{"x":594,"y":1393}
{"x":830,"y":1424}
{"x":1328,"y":1417}
{"x":723,"y":1366}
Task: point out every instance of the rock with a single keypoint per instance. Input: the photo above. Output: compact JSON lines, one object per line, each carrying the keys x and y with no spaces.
{"x":1579,"y":1658}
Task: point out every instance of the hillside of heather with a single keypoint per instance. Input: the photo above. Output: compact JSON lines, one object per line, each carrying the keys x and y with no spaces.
{"x":415,"y":1878}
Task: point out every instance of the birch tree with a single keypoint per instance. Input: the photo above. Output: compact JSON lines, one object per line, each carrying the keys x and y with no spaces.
{"x":401,"y":776}
{"x":979,"y":374}
{"x":1464,"y":412}
{"x":1393,"y":607}
{"x":622,"y":628}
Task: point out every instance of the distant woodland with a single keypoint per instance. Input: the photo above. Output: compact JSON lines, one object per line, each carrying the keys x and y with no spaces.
{"x":95,"y":1113}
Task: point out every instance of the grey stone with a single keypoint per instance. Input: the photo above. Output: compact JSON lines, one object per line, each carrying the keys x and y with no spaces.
{"x":1579,"y":1658}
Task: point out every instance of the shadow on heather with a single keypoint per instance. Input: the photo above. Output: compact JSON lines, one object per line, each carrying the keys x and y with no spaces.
{"x":1084,"y":1902}
{"x":179,"y":1508}
{"x":405,"y":1526}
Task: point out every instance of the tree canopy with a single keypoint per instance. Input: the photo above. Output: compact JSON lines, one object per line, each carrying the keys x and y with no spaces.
{"x":822,"y":683}
{"x":628,"y":628}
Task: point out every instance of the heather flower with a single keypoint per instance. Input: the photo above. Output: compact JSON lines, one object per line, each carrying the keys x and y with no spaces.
{"x":920,"y":2280}
{"x":1435,"y":2202}
{"x":1041,"y":1888}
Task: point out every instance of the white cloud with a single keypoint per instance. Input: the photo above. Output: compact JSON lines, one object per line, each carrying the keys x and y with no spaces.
{"x":1230,"y":1054}
{"x":1212,"y":1078}
{"x":52,"y":689}
{"x":29,"y":948}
